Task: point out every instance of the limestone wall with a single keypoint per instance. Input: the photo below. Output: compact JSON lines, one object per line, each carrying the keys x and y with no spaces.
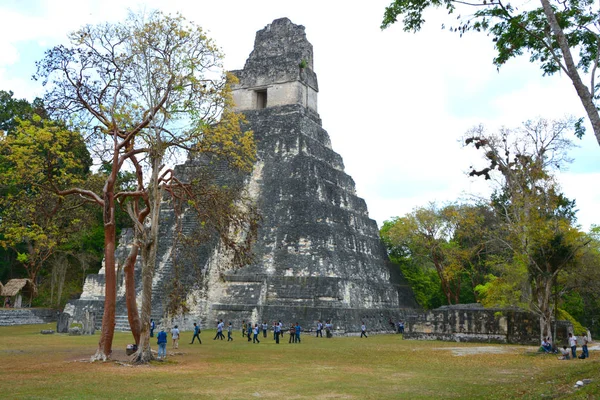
{"x":468,"y":323}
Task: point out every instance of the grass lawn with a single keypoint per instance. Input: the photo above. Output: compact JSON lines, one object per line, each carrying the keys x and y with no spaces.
{"x":35,"y":366}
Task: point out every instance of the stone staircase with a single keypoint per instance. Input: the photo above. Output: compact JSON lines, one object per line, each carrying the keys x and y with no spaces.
{"x":26,"y":316}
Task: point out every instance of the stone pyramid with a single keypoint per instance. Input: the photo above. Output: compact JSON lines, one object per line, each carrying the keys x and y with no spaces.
{"x":318,"y":255}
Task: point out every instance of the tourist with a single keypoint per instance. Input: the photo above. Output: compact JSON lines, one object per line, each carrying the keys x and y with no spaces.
{"x":292,"y":334}
{"x":175,"y":337}
{"x":161,"y":340}
{"x":319,"y":328}
{"x":298,"y":330}
{"x":249,"y":331}
{"x":281,"y":330}
{"x":328,"y":329}
{"x":196,"y":334}
{"x":547,"y":347}
{"x":564,"y":353}
{"x":265,"y":326}
{"x":363,"y":330}
{"x":277,"y":331}
{"x":256,"y":330}
{"x":229,"y":329}
{"x":219,"y":334}
{"x":573,"y":344}
{"x":401,"y":327}
{"x":244,"y":327}
{"x":584,"y":349}
{"x":152,"y":326}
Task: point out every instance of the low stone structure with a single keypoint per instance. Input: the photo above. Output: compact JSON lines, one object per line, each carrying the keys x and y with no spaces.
{"x":473,"y":323}
{"x":27,"y":316}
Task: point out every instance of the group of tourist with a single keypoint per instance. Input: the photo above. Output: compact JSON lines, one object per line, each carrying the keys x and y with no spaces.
{"x":567,"y":353}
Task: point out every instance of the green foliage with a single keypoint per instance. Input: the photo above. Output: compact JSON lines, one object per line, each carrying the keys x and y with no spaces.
{"x":303,"y":64}
{"x":578,"y":329}
{"x":449,"y":241}
{"x":12,"y":111}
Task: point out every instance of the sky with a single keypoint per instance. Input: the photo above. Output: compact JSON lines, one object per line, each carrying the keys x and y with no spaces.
{"x":395,"y":104}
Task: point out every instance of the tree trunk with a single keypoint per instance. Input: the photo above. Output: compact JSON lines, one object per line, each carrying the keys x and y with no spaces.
{"x":110,"y":290}
{"x":544,"y":291}
{"x":144,"y":353}
{"x":149,"y":249}
{"x":130,"y":295}
{"x":583,"y":92}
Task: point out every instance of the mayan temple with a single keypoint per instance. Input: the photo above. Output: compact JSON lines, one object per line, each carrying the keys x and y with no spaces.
{"x":318,"y":255}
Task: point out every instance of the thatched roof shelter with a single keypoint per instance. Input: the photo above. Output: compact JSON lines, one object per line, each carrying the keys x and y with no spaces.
{"x":14,"y":286}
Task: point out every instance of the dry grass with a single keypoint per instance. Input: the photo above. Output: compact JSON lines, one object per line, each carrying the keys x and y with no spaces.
{"x":55,"y":366}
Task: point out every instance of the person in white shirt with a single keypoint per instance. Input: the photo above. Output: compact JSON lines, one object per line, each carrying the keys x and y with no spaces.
{"x":255,"y":332}
{"x":573,"y":344}
{"x":363,"y":330}
{"x":175,"y":337}
{"x":319,"y":329}
{"x":265,"y":326}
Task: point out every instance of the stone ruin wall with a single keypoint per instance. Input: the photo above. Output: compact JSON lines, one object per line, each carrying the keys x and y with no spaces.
{"x":473,"y":323}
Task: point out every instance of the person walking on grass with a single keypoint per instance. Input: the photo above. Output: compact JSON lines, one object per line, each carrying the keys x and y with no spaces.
{"x":249,"y":331}
{"x":256,"y":330}
{"x":196,"y":334}
{"x":244,"y":327}
{"x":281,"y":330}
{"x":161,"y":340}
{"x":276,"y":331}
{"x":219,"y":334}
{"x":319,"y":329}
{"x":573,"y":344}
{"x":265,"y":327}
{"x":229,"y":330}
{"x":297,"y":331}
{"x":175,"y":337}
{"x":292,"y":334}
{"x":152,"y":327}
{"x":363,"y":330}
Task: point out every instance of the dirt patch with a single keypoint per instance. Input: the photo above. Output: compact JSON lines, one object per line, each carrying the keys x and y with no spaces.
{"x":468,"y":351}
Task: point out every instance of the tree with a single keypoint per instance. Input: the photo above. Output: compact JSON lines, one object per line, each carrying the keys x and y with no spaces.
{"x":34,"y":153}
{"x":551,"y":34}
{"x":12,"y":110}
{"x":142,"y":90}
{"x":445,"y":238}
{"x":537,"y":219}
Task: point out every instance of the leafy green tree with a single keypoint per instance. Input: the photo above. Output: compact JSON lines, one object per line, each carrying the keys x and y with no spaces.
{"x":12,"y":110}
{"x":537,"y":220}
{"x":35,"y":153}
{"x":450,"y":239}
{"x":560,"y":36}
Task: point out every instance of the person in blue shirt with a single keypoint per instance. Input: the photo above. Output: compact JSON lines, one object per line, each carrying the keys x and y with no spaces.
{"x":363,"y":330}
{"x":161,"y":340}
{"x":319,"y":329}
{"x":152,"y":326}
{"x":256,"y":330}
{"x":298,"y":330}
{"x":229,"y":330}
{"x":249,"y":332}
{"x":196,"y":334}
